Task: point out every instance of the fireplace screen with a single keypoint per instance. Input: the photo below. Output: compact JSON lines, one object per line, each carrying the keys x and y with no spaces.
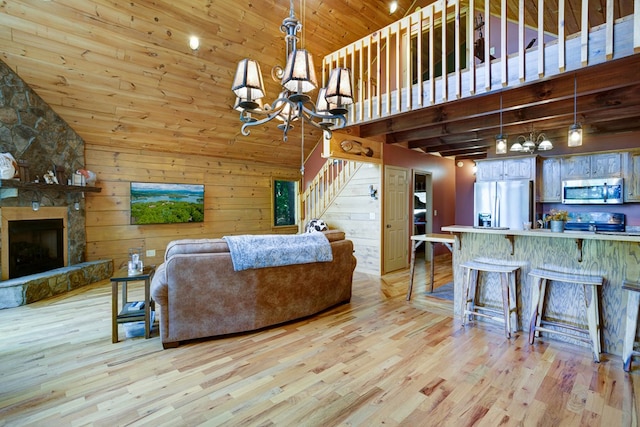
{"x":35,"y":246}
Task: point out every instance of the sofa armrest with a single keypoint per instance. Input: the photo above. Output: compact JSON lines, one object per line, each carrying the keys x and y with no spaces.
{"x":334,"y":235}
{"x":159,"y":285}
{"x":195,"y":246}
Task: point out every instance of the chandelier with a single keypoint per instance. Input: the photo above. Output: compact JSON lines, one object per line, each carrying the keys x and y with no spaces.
{"x":528,"y":144}
{"x":298,"y":78}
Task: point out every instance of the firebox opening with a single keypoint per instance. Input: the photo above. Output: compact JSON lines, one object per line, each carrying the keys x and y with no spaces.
{"x":35,"y":246}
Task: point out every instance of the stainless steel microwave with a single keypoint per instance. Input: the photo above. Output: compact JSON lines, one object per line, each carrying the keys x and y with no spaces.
{"x":593,"y":191}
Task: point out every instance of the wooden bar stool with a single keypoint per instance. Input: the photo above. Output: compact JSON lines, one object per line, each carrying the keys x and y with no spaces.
{"x":470,"y":308}
{"x":592,"y":334}
{"x":633,"y":302}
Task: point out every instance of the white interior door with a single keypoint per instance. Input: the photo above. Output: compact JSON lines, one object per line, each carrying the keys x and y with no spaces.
{"x":396,"y":219}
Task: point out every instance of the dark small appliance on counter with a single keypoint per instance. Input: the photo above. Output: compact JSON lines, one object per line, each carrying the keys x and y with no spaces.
{"x":595,"y":221}
{"x":484,"y":220}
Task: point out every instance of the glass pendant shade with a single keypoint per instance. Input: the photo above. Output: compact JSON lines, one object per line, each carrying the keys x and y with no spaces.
{"x":247,"y":83}
{"x":545,"y":145}
{"x":501,"y":144}
{"x":575,"y":135}
{"x":339,"y":90}
{"x":532,"y":143}
{"x":299,"y":75}
{"x":516,"y":146}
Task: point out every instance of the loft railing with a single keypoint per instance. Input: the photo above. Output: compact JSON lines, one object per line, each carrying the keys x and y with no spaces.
{"x":418,"y":62}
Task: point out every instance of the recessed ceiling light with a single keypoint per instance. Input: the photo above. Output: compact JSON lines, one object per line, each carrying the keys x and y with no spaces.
{"x":194,"y":43}
{"x":393,"y":7}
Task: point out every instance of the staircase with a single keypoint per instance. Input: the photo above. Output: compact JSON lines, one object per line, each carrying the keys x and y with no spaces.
{"x":326,"y":186}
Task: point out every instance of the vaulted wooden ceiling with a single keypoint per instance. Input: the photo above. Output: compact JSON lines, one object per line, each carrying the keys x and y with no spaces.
{"x":122,"y":74}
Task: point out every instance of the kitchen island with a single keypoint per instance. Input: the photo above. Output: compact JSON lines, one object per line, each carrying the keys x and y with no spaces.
{"x":615,"y":256}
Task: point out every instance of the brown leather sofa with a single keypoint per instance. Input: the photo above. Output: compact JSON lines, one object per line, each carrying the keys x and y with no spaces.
{"x":200,"y":295}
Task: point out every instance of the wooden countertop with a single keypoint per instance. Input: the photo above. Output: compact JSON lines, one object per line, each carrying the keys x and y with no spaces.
{"x":433,"y":237}
{"x":586,"y":235}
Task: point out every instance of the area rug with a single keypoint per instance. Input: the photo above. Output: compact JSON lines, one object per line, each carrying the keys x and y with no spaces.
{"x":443,"y":292}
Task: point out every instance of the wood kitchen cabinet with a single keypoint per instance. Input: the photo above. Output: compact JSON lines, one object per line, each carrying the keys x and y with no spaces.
{"x":575,"y":167}
{"x":605,"y":165}
{"x":549,"y":183}
{"x":632,"y":177}
{"x":507,"y":169}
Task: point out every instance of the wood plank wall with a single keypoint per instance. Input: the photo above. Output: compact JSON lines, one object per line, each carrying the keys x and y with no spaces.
{"x":351,"y":212}
{"x":237,"y":199}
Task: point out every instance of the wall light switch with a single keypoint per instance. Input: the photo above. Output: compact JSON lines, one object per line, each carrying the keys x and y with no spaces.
{"x":435,"y":212}
{"x":492,"y":50}
{"x":151,"y":252}
{"x":372,"y":215}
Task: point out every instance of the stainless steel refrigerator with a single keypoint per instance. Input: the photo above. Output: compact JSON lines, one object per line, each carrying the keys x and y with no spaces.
{"x":506,"y":204}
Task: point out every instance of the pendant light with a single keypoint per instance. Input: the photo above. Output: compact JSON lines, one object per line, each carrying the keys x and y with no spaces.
{"x":501,"y":139}
{"x":575,"y":130}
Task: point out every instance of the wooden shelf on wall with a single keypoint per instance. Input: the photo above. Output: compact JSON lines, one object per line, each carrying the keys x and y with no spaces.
{"x":42,"y":186}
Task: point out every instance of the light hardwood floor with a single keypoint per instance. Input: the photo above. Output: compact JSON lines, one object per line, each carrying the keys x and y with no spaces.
{"x":379,"y":360}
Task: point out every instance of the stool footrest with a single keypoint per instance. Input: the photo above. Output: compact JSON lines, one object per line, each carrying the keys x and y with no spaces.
{"x":566,"y":334}
{"x":584,"y":335}
{"x":631,"y":286}
{"x":488,"y":316}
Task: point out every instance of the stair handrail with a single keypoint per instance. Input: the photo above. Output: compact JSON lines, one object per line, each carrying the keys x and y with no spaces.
{"x":326,"y":186}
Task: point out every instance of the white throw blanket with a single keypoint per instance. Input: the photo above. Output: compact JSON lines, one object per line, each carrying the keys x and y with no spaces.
{"x":273,"y":250}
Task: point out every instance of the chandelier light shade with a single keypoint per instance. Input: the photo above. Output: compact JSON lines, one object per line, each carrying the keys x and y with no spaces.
{"x":339,"y":91}
{"x":298,"y":79}
{"x":531,"y":143}
{"x":322,"y":106}
{"x":247,"y":83}
{"x":299,"y":75}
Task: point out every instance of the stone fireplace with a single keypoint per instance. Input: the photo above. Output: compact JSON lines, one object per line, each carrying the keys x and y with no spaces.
{"x":41,"y":141}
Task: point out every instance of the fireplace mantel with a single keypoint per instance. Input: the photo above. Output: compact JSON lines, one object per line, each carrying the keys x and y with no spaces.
{"x":18,"y":214}
{"x":12,"y":183}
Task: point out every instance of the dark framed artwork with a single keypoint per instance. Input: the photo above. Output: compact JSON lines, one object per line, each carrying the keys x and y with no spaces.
{"x":161,"y":203}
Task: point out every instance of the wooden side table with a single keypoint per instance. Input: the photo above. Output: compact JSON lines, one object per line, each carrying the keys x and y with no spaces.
{"x":128,"y":313}
{"x":446,"y":239}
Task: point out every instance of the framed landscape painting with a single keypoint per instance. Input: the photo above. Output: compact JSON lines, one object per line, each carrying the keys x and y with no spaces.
{"x":159,"y":203}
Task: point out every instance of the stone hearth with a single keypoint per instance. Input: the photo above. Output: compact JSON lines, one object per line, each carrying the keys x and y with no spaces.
{"x":32,"y":288}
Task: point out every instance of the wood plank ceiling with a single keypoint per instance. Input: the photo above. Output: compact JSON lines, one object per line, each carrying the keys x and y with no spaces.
{"x":122,"y":73}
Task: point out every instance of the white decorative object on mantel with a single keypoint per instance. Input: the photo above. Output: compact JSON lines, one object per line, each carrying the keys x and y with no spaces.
{"x":8,"y":166}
